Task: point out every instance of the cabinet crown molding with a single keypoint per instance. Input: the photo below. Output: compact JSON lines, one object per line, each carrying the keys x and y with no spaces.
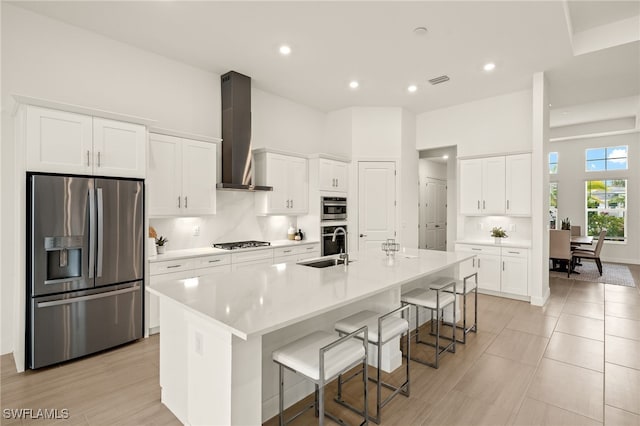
{"x":78,"y":109}
{"x":185,"y":135}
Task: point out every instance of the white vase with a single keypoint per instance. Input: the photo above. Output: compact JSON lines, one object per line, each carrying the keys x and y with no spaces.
{"x":498,"y":240}
{"x":160,"y":249}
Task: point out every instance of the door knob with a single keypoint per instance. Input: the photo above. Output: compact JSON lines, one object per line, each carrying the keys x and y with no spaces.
{"x":363,"y":235}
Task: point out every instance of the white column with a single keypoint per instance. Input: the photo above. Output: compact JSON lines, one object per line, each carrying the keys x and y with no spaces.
{"x":539,"y":276}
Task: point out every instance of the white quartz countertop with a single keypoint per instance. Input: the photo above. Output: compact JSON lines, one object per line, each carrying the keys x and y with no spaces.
{"x":210,"y":251}
{"x":504,"y":243}
{"x":259,"y":301}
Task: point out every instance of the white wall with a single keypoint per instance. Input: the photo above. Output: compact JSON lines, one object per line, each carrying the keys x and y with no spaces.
{"x":408,"y":182}
{"x":376,"y":132}
{"x":571,"y":179}
{"x":279,"y":123}
{"x":429,"y":168}
{"x":593,"y":127}
{"x":338,"y":133}
{"x":489,"y":126}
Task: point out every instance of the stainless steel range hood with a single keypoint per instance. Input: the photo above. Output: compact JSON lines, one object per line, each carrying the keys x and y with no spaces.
{"x":237,"y":173}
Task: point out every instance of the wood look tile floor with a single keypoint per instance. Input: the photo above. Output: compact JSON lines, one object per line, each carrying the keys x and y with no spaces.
{"x":574,"y":361}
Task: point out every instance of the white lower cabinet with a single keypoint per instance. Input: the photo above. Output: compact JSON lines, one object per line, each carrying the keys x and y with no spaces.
{"x":296,"y":253}
{"x":500,"y":269}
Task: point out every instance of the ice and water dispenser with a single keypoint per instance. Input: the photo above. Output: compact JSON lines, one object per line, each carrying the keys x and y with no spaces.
{"x":64,"y":258}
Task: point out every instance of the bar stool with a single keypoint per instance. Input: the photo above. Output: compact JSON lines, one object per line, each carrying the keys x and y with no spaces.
{"x":382,"y":329}
{"x":463,"y":287}
{"x":320,"y":357}
{"x":434,"y":300}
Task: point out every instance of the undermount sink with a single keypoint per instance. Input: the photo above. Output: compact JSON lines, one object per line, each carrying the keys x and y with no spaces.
{"x":324,"y":263}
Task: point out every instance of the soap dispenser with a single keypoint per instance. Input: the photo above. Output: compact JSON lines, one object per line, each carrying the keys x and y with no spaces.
{"x":291,"y":233}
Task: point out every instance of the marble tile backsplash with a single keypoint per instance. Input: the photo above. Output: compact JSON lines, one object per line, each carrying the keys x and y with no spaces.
{"x":479,"y":228}
{"x":235,"y":220}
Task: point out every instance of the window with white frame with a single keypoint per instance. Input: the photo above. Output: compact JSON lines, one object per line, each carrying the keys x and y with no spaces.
{"x":553,"y":205}
{"x":606,"y":158}
{"x":553,"y":163}
{"x":606,"y":208}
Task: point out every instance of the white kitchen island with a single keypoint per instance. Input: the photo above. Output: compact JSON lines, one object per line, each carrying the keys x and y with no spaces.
{"x":218,"y":332}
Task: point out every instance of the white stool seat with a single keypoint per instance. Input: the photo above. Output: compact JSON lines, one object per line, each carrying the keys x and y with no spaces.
{"x":438,"y":283}
{"x":427,"y":298}
{"x":391,"y":326}
{"x":302,"y":355}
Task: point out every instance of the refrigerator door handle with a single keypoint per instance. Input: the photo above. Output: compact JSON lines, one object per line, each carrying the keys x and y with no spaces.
{"x":100,"y":232}
{"x":92,"y":232}
{"x":89,"y":297}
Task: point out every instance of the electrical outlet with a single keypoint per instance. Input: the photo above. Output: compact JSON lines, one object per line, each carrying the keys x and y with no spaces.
{"x":198,"y":343}
{"x":196,"y":230}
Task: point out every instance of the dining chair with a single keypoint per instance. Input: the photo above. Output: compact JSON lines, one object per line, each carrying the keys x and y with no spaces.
{"x":576,"y":230}
{"x":592,"y":254}
{"x":560,"y":247}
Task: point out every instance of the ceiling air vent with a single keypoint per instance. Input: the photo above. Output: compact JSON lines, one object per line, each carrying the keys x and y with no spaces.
{"x":438,"y":80}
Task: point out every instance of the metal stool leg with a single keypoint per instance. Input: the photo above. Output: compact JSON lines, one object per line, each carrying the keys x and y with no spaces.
{"x":281,"y":397}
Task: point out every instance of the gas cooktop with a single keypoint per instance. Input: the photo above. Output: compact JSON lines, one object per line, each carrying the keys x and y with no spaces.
{"x":241,"y":245}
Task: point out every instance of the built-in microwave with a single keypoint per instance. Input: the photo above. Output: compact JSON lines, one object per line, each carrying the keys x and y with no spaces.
{"x":333,"y":208}
{"x":327,"y":244}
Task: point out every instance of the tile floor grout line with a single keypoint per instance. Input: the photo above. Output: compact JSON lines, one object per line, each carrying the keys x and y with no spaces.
{"x":577,"y":335}
{"x":573,"y":365}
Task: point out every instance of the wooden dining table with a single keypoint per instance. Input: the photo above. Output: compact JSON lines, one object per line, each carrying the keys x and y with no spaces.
{"x":581,"y":240}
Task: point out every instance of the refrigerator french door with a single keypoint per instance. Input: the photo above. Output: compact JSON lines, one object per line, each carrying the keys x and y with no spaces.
{"x":85,"y":265}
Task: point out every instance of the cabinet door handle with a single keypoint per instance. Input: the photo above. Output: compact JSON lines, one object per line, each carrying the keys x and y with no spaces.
{"x":484,"y":206}
{"x":214,"y":261}
{"x":287,"y":203}
{"x":185,"y":201}
{"x":173,"y":266}
{"x":474,"y":262}
{"x":337,"y":182}
{"x":98,"y":158}
{"x":503,"y":265}
{"x":286,"y":251}
{"x":310,"y":248}
{"x":178,"y":201}
{"x":478,"y":204}
{"x":88,"y":161}
{"x":291,"y":203}
{"x":476,"y":249}
{"x":507,"y":204}
{"x":478,"y":263}
{"x":514,"y":252}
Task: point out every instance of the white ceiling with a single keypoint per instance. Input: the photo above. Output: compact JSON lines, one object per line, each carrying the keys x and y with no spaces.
{"x":586,"y":15}
{"x":373,"y":42}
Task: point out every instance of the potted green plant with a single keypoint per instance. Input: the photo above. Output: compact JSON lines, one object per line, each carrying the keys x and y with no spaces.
{"x":160,"y":243}
{"x":498,"y":233}
{"x":566,"y":224}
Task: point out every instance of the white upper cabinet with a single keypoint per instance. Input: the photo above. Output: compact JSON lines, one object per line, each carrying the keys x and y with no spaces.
{"x":288,"y":175}
{"x":496,"y":185}
{"x":119,"y":148}
{"x":333,"y":176}
{"x":518,"y":184}
{"x":58,"y":141}
{"x":493,"y":185}
{"x":181,"y":176}
{"x":66,"y":142}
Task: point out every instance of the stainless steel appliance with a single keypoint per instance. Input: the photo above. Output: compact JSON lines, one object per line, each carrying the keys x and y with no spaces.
{"x":333,"y":208}
{"x":85,"y":265}
{"x":331,"y":245}
{"x":241,"y":244}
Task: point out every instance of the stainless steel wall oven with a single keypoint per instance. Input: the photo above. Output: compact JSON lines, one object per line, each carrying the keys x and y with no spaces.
{"x":330,"y":247}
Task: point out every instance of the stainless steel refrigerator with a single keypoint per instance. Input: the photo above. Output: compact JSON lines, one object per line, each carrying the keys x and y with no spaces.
{"x":85,"y":265}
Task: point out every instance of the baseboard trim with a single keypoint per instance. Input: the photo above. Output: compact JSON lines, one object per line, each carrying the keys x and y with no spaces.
{"x":621,"y":260}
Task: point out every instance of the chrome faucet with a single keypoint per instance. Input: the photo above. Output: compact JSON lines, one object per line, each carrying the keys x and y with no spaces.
{"x":343,"y":256}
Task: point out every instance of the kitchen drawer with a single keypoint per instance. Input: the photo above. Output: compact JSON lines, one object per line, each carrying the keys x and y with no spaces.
{"x":285,"y":251}
{"x":250,"y":256}
{"x":308,"y":255}
{"x":308,"y":248}
{"x":207,"y":261}
{"x":212,"y":270}
{"x":254,"y":264}
{"x":478,"y":249}
{"x":290,"y":258}
{"x":156,"y":268}
{"x":514,"y":252}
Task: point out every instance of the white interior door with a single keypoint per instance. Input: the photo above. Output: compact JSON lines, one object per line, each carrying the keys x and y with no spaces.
{"x":376,"y":202}
{"x":433,"y":214}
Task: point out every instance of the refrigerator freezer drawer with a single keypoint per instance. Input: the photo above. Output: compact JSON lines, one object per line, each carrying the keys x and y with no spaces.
{"x":67,"y":328}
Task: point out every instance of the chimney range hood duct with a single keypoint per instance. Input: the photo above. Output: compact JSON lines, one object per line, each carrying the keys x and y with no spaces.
{"x":237,"y":173}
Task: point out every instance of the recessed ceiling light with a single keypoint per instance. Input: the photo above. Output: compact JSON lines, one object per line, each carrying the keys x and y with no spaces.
{"x":444,"y":157}
{"x":412,"y":88}
{"x":285,"y":50}
{"x":354,"y":84}
{"x":489,"y":66}
{"x":420,"y":31}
